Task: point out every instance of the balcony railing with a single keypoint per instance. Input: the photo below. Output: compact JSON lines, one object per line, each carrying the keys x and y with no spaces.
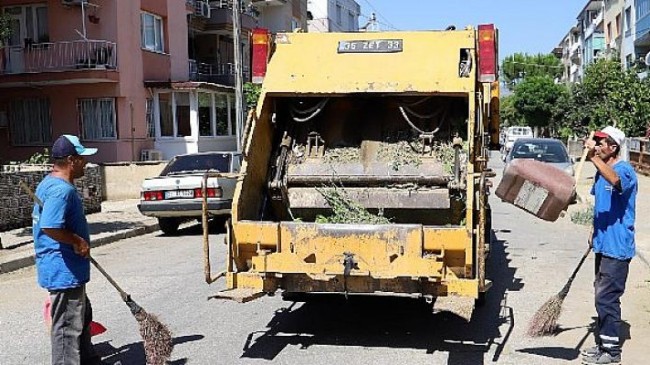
{"x":58,"y":56}
{"x":220,"y":73}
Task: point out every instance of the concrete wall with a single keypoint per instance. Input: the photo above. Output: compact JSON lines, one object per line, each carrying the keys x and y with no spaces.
{"x":16,"y":205}
{"x":122,"y":180}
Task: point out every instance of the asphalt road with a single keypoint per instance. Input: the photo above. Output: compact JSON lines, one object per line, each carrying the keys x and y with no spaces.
{"x":530,"y":261}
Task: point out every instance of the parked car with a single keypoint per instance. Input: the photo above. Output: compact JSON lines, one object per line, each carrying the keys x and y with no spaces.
{"x":512,"y":134}
{"x":176,"y":195}
{"x":547,"y":150}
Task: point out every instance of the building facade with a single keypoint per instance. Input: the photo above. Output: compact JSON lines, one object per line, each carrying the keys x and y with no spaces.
{"x":333,"y":15}
{"x":137,"y":79}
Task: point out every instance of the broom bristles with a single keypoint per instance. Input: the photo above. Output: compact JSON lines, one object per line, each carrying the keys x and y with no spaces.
{"x":544,"y":322}
{"x":157,"y":338}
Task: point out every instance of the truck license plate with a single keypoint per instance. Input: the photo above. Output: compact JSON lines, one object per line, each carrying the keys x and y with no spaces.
{"x":371,"y":46}
{"x":172,"y":194}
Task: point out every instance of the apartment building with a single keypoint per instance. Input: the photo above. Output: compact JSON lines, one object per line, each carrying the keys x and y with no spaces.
{"x":613,"y":21}
{"x":134,"y":78}
{"x":281,"y":15}
{"x":628,"y":52}
{"x":570,"y":53}
{"x":591,"y":21}
{"x":611,"y":28}
{"x":333,"y":15}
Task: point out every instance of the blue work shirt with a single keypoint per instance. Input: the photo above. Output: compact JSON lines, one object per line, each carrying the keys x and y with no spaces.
{"x":58,"y":266}
{"x":614,"y":213}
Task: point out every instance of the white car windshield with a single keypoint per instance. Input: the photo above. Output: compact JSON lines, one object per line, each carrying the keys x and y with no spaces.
{"x":217,"y":162}
{"x":545,"y":151}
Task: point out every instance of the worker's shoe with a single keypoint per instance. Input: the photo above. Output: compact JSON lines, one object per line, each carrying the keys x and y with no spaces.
{"x":602,"y":358}
{"x":591,"y":351}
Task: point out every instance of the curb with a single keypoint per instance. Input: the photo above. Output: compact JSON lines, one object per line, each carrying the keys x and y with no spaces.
{"x":22,"y":262}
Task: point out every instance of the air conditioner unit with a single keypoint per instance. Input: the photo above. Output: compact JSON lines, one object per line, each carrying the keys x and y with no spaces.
{"x":74,"y":2}
{"x":151,"y":155}
{"x":202,"y":9}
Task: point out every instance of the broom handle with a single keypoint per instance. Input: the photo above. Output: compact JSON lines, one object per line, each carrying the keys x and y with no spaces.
{"x":585,"y":150}
{"x":125,"y":296}
{"x":565,"y":290}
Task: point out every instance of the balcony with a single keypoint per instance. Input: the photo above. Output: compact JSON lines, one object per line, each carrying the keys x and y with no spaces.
{"x":65,"y":62}
{"x":217,"y":18}
{"x":217,"y":73}
{"x":58,"y":56}
{"x":268,"y":2}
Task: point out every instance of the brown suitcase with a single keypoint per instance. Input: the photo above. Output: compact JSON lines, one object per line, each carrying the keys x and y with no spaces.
{"x":536,"y":187}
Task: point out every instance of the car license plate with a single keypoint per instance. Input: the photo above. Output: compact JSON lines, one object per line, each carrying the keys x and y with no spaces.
{"x":173,"y":194}
{"x":371,"y":46}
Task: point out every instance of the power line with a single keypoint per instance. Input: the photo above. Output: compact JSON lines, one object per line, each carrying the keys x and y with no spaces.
{"x":388,"y":23}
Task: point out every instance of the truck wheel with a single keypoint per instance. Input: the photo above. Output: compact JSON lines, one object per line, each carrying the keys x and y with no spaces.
{"x":169,"y":226}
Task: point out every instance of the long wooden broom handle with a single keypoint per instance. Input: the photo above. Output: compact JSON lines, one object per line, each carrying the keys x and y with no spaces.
{"x":582,"y":159}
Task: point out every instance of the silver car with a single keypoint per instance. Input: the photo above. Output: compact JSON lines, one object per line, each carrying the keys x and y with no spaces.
{"x":176,"y":194}
{"x":549,"y":150}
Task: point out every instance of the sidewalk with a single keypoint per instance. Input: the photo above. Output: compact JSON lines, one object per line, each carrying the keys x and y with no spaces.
{"x":117,"y":220}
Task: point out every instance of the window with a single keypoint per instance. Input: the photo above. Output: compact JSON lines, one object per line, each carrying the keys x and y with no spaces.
{"x":628,"y":21}
{"x":221,"y":103}
{"x":215,"y":114}
{"x":151,"y":128}
{"x":353,"y":26}
{"x":618,"y":24}
{"x":166,"y":115}
{"x":205,"y":114}
{"x":609,"y":32}
{"x":339,"y":16}
{"x":152,"y":32}
{"x":29,"y":23}
{"x":98,"y":118}
{"x":30,"y":122}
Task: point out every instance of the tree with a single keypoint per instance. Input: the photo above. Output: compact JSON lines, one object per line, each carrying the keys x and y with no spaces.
{"x":5,"y":27}
{"x":516,"y":67}
{"x":535,"y":99}
{"x":609,"y":95}
{"x":508,"y":113}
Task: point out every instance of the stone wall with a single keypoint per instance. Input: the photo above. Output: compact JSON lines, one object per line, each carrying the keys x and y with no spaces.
{"x":16,"y":205}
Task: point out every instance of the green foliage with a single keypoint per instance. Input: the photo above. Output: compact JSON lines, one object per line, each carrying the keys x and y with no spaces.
{"x":535,"y":100}
{"x":39,"y":158}
{"x":5,"y":26}
{"x":252,"y":94}
{"x":609,"y":95}
{"x":519,"y":66}
{"x":347,"y":211}
{"x":508,"y":113}
{"x":583,"y":217}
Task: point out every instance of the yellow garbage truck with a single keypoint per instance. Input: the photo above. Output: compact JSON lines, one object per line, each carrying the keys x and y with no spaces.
{"x":365,"y":167}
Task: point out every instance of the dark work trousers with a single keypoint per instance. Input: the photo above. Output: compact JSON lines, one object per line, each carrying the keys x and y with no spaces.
{"x":71,"y":317}
{"x":611,"y":275}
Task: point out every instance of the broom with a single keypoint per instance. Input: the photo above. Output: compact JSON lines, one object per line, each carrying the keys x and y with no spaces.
{"x":544,"y":322}
{"x":156,"y":336}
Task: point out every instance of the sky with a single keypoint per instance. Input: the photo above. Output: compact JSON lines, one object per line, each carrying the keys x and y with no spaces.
{"x":529,"y":26}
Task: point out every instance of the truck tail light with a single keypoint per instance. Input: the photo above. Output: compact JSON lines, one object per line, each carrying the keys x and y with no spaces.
{"x":487,"y":53}
{"x":212,"y":192}
{"x":152,"y":195}
{"x":260,"y":54}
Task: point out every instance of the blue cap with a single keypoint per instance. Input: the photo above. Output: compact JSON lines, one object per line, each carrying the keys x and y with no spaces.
{"x":69,"y":145}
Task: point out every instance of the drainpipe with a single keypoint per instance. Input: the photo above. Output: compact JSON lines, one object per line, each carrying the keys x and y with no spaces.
{"x":132,"y":134}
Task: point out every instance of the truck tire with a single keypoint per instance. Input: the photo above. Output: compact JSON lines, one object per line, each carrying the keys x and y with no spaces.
{"x":169,"y":226}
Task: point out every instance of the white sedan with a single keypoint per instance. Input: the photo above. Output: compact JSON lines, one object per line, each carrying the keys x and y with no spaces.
{"x":176,"y":194}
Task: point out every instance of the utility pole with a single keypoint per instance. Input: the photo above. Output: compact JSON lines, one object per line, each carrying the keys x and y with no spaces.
{"x":239,"y":77}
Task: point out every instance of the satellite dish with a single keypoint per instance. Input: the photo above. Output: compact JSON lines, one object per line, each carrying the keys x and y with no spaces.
{"x":647,"y":59}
